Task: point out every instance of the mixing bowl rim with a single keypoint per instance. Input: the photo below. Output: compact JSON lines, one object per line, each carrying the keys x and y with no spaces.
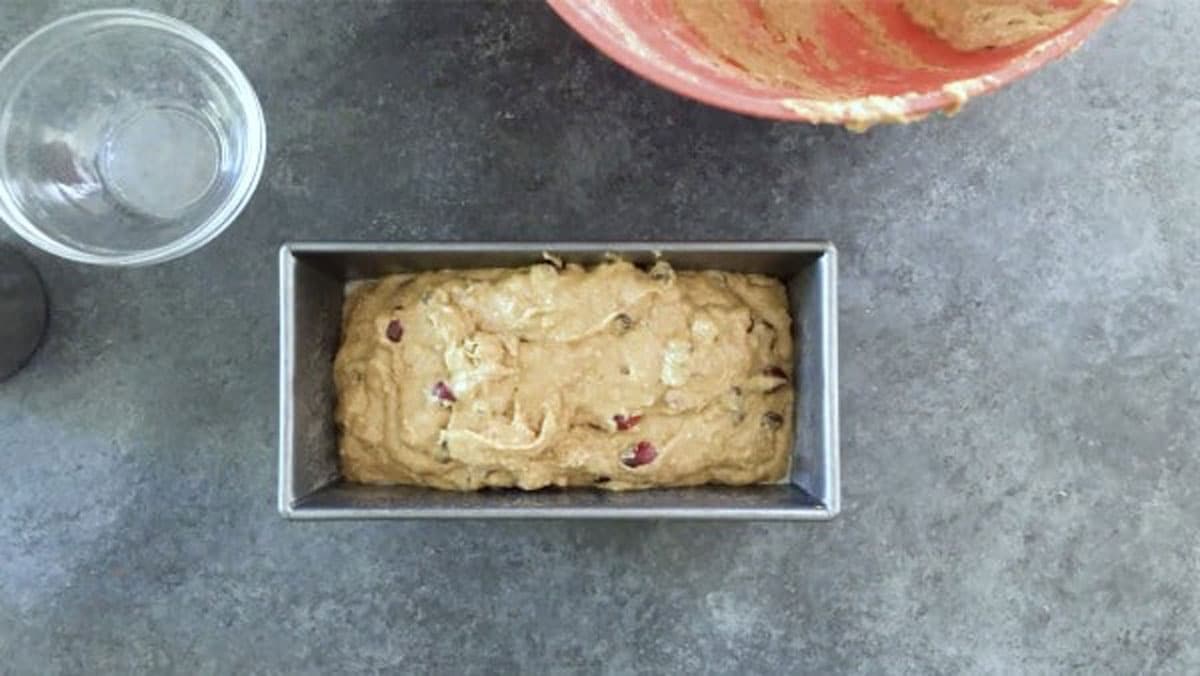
{"x":856,"y":113}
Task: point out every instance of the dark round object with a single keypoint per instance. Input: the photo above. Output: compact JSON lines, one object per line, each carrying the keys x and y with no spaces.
{"x":22,"y":311}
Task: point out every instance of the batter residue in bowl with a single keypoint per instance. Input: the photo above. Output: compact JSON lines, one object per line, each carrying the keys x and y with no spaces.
{"x":789,"y":43}
{"x":613,"y":377}
{"x":970,"y":25}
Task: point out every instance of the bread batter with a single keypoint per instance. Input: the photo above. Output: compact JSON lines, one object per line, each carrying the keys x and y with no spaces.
{"x":613,"y":377}
{"x":970,"y":25}
{"x":788,"y":43}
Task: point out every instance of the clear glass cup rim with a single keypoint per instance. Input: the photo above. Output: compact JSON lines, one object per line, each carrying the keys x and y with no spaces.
{"x":51,"y":36}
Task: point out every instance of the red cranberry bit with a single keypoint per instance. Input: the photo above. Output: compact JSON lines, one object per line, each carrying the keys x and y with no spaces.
{"x":443,"y":392}
{"x":642,"y":454}
{"x":626,"y":423}
{"x":395,"y":331}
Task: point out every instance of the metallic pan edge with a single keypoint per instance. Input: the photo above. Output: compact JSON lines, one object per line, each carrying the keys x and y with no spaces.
{"x":332,"y":500}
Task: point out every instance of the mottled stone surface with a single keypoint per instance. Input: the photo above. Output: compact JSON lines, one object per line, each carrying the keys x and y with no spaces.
{"x":1020,"y":384}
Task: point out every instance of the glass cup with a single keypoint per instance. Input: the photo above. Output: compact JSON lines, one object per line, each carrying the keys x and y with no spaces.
{"x":126,"y":138}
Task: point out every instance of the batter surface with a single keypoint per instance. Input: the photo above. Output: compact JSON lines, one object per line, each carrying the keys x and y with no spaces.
{"x":970,"y":25}
{"x":612,"y":377}
{"x":789,"y":43}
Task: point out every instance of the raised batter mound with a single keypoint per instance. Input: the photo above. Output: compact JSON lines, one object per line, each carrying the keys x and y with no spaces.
{"x":612,"y":377}
{"x":764,"y":38}
{"x":970,"y":25}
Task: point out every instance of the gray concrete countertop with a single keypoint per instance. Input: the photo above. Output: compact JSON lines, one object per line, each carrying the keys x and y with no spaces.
{"x":1021,"y":385}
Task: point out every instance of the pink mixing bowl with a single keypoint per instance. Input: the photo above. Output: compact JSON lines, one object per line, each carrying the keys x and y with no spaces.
{"x":869,"y":86}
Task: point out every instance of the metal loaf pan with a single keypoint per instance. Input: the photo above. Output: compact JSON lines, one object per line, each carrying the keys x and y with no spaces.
{"x":312,"y":282}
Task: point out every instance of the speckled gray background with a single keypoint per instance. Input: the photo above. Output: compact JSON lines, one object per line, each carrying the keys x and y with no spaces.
{"x":1020,"y":317}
